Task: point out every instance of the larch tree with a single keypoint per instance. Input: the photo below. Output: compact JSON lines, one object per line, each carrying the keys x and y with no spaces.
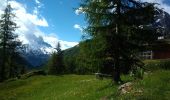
{"x":9,"y":43}
{"x":120,"y":29}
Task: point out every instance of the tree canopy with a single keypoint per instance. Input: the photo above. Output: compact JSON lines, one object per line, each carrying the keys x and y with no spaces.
{"x":9,"y":44}
{"x":120,"y":29}
{"x":55,"y":64}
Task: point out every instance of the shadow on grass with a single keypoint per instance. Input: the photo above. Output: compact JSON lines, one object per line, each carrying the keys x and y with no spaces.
{"x":104,"y":87}
{"x":109,"y":85}
{"x":112,"y":84}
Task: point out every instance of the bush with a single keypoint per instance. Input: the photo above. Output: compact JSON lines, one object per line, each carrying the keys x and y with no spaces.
{"x":157,"y":64}
{"x":137,"y":72}
{"x":33,"y":73}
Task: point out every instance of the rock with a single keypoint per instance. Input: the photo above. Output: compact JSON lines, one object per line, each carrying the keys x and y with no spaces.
{"x":125,"y":88}
{"x":125,"y":85}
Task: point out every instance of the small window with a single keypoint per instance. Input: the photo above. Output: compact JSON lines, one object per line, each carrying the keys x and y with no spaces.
{"x":146,"y":55}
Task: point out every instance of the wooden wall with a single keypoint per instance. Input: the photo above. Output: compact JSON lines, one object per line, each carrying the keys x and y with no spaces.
{"x":164,"y":54}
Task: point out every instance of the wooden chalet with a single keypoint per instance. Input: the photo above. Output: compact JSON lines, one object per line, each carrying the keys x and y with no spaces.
{"x":160,"y":50}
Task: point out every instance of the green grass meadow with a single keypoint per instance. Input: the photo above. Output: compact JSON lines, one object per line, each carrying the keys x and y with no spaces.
{"x":67,"y":87}
{"x":154,"y":86}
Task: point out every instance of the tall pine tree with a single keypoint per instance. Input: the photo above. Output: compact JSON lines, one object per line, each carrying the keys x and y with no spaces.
{"x":55,"y":64}
{"x":9,"y":44}
{"x":119,"y":29}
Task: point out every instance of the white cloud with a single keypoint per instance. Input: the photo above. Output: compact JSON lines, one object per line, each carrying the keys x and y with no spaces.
{"x":29,"y":31}
{"x":53,"y":40}
{"x":39,"y":4}
{"x":25,"y":17}
{"x":162,"y":4}
{"x":77,"y":26}
{"x":79,"y":11}
{"x":36,"y":8}
{"x":35,"y":11}
{"x":2,"y":3}
{"x":66,"y":44}
{"x":37,"y":1}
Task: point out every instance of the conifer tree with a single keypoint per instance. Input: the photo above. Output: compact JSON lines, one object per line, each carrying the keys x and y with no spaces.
{"x":119,"y":29}
{"x":55,"y":64}
{"x":59,"y":60}
{"x":9,"y":43}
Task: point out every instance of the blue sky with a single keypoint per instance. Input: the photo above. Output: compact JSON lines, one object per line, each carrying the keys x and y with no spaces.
{"x":61,"y":17}
{"x":47,"y":22}
{"x":166,"y":2}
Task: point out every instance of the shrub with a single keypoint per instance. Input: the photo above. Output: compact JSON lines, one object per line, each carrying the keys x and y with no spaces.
{"x":157,"y":64}
{"x":137,"y":73}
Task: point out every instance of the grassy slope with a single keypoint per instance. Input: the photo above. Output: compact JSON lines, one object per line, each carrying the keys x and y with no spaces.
{"x":69,"y":87}
{"x":155,"y":86}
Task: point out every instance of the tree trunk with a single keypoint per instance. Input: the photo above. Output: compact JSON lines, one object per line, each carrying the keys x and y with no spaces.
{"x":116,"y":72}
{"x":2,"y":78}
{"x":3,"y":57}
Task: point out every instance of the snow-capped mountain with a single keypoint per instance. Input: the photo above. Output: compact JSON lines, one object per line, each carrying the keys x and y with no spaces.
{"x":163,"y":22}
{"x":36,"y":56}
{"x":37,"y":52}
